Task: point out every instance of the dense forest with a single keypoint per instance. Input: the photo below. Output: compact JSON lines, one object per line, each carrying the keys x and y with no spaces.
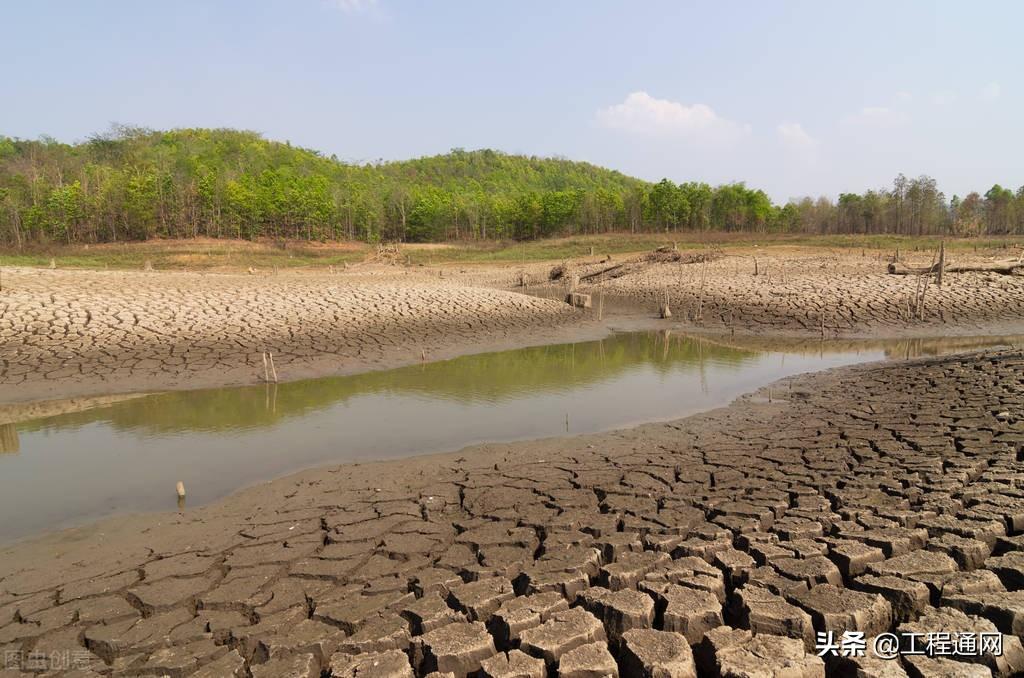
{"x":136,"y":184}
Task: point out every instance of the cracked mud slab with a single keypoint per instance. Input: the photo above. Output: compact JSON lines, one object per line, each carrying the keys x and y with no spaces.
{"x":72,"y":333}
{"x":870,"y":498}
{"x":809,"y":291}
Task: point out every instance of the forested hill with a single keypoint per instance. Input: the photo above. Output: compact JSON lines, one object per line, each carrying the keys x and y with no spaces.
{"x":134,"y":184}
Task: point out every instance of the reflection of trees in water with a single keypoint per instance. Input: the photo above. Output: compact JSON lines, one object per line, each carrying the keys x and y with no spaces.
{"x":482,"y":378}
{"x":894,"y":349}
{"x":924,"y":347}
{"x":8,"y":439}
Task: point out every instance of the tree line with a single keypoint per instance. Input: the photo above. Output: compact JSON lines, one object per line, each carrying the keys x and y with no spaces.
{"x":135,"y":184}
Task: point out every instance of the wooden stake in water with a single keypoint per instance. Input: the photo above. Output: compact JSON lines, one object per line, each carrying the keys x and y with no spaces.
{"x":266,"y":368}
{"x":273,"y":370}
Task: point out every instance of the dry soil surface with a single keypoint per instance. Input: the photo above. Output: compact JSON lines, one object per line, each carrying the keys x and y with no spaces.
{"x":811,"y":291}
{"x":71,"y":333}
{"x":74,"y":333}
{"x":867,"y":499}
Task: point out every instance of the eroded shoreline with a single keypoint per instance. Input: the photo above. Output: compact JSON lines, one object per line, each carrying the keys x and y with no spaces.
{"x":73,"y":333}
{"x":821,"y":507}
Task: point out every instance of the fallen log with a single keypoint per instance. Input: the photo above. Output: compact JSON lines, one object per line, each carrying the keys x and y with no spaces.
{"x":589,"y":276}
{"x":1006,"y":267}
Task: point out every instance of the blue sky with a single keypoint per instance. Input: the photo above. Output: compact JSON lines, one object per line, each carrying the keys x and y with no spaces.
{"x":795,"y":97}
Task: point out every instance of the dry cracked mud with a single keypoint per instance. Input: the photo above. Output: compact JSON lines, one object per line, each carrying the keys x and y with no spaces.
{"x":831,"y":294}
{"x":870,"y":499}
{"x":71,"y":333}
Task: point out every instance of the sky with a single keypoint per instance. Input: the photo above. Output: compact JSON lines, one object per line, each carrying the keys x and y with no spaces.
{"x":797,"y":98}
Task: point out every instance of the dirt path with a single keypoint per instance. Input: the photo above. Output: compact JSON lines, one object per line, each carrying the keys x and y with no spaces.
{"x":869,"y":498}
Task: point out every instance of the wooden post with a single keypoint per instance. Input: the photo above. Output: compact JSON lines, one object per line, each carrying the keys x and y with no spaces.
{"x":266,"y":368}
{"x":942,"y":263}
{"x":273,"y":370}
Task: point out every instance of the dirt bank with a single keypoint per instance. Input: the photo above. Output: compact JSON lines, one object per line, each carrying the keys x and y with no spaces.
{"x":869,"y":498}
{"x":71,"y":333}
{"x":811,"y":292}
{"x":76,"y":333}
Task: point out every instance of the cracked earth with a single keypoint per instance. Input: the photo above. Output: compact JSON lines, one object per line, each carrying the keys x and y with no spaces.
{"x":874,"y":498}
{"x":69,"y":333}
{"x":818,"y":293}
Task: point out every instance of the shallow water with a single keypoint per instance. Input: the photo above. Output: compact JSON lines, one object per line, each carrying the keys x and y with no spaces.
{"x":126,"y":457}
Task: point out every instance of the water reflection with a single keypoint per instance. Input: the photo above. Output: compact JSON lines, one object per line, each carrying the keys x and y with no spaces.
{"x":125,"y":453}
{"x":491,"y":378}
{"x":8,"y":439}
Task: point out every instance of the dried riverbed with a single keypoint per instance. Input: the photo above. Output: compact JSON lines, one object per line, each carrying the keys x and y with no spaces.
{"x":866,"y":498}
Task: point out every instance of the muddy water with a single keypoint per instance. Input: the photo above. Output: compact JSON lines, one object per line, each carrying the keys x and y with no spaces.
{"x":125,"y":455}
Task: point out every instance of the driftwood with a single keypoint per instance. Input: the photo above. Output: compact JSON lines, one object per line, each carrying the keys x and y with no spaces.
{"x":1005,"y":267}
{"x":666,"y":254}
{"x":662,"y":255}
{"x":609,"y":270}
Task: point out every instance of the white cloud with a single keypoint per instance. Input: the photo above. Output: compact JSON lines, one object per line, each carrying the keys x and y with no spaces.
{"x":795,"y":136}
{"x":943,"y":98}
{"x":640,"y":113}
{"x":877,"y":117}
{"x":797,"y":141}
{"x":904,"y":97}
{"x":991,"y":91}
{"x":353,"y":6}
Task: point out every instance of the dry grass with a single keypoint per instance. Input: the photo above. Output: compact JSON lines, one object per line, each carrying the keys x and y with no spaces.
{"x":235,"y":255}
